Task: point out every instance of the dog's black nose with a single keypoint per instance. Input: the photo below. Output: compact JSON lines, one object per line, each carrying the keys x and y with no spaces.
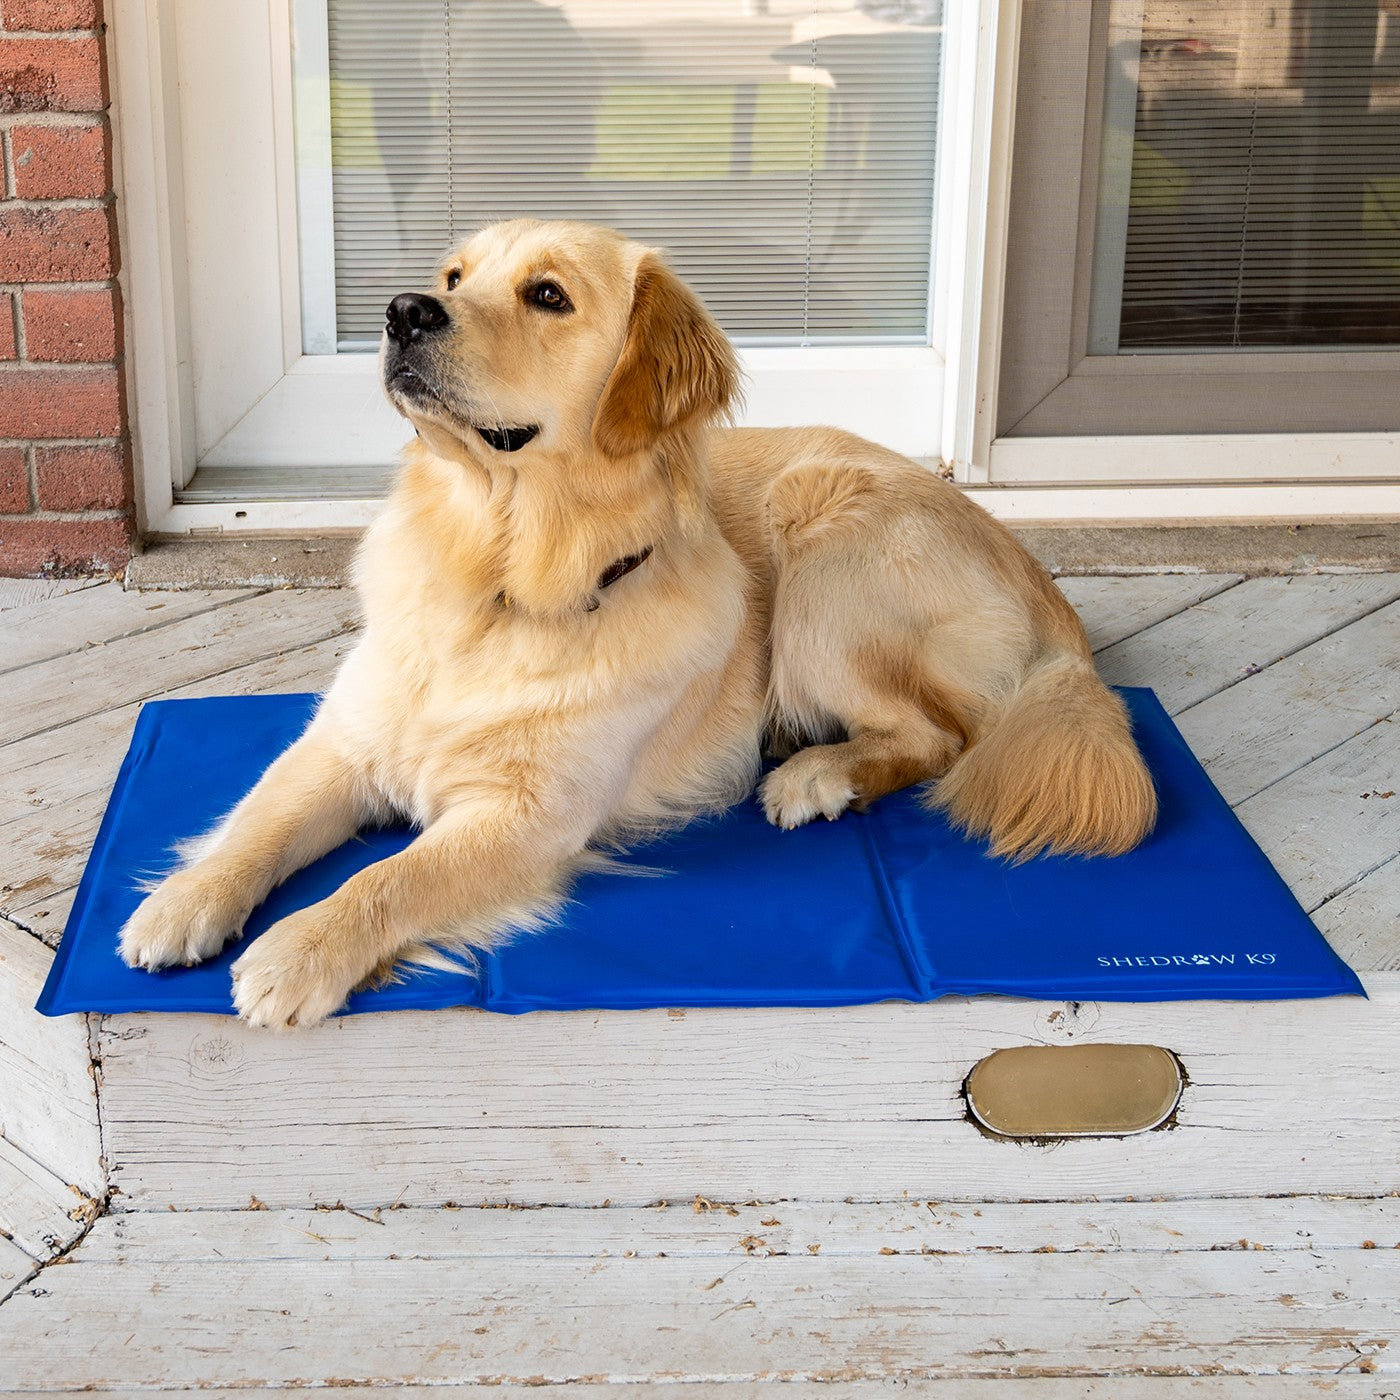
{"x":411,"y":314}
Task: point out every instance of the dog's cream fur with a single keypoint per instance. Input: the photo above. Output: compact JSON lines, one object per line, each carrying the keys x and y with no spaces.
{"x":804,"y":585}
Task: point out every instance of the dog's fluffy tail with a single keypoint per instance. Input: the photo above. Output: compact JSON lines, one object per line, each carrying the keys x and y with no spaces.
{"x":1057,"y":771}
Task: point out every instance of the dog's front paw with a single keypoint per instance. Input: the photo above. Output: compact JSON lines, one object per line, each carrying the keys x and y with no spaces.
{"x":810,"y":784}
{"x":297,"y":973}
{"x":184,"y":920}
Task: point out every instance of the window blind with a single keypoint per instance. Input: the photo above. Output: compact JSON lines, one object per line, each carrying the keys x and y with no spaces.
{"x":781,"y":153}
{"x":1250,"y":187}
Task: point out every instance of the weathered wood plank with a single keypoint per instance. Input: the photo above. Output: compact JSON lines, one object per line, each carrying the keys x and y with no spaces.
{"x":804,"y":1316}
{"x":860,"y":1102}
{"x":54,"y":786}
{"x":1331,"y":822}
{"x":1114,"y":608}
{"x":1218,"y":642}
{"x":95,"y":617}
{"x":1276,"y":722}
{"x":48,"y":1098}
{"x":40,"y":1213}
{"x":151,"y":663}
{"x":714,"y":1229}
{"x":16,"y":1267}
{"x":1363,"y":922}
{"x":1350,"y":1385}
{"x":26,"y":592}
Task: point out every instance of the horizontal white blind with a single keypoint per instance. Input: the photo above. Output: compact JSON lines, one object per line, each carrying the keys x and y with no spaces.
{"x":1256,"y":147}
{"x":782,"y":153}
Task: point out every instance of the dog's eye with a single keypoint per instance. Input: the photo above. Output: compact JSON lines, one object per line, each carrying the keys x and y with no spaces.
{"x":453,"y":278}
{"x":550,"y":296}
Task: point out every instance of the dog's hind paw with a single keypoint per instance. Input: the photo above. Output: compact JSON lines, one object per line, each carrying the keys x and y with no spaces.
{"x":807,"y":786}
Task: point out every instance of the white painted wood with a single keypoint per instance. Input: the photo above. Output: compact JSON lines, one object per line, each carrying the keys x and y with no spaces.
{"x":432,"y":1316}
{"x":1022,"y":505}
{"x":705,"y":1229}
{"x":1330,"y":823}
{"x":150,"y":214}
{"x":1114,"y":608}
{"x":1196,"y":457}
{"x":224,"y":62}
{"x":1223,"y":639}
{"x":48,"y":1098}
{"x":1273,"y":723}
{"x":1348,"y":1384}
{"x":69,"y":688}
{"x":76,"y":621}
{"x":26,"y":592}
{"x":54,"y":786}
{"x":865,"y":1102}
{"x":976,"y":351}
{"x":331,"y":410}
{"x":1363,"y":922}
{"x":40,"y":1213}
{"x":16,"y":1267}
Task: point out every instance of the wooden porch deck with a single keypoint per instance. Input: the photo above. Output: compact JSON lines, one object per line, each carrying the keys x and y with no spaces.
{"x":136,"y":1152}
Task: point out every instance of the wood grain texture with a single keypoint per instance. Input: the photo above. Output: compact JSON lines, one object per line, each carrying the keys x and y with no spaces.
{"x":702,"y":1228}
{"x":132,"y":668}
{"x":1114,"y":608}
{"x":40,"y":1213}
{"x":436,"y":1307}
{"x":93,"y":617}
{"x":865,"y":1102}
{"x":48,"y":1099}
{"x":16,"y":1267}
{"x":1218,"y":642}
{"x":1349,"y":1385}
{"x":1363,"y":922}
{"x":26,"y":592}
{"x":1273,"y":723}
{"x":1330,"y":823}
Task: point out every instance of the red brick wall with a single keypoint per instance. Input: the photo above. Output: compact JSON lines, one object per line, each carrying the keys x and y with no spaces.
{"x":66,"y":500}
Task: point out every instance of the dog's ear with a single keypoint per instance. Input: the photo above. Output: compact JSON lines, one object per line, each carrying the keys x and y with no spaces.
{"x":676,"y":368}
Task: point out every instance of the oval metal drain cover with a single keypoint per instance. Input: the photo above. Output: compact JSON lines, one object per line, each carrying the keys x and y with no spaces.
{"x":1054,"y":1091}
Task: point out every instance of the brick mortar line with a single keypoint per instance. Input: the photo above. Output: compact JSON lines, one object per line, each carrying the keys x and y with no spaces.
{"x":68,"y":35}
{"x":78,"y":121}
{"x":14,"y":366}
{"x":66,"y":517}
{"x":7,"y":168}
{"x":63,"y":442}
{"x":17,"y":324}
{"x":76,"y":203}
{"x":105,"y":285}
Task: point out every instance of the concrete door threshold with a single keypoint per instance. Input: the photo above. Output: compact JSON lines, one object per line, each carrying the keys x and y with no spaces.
{"x":323,"y":561}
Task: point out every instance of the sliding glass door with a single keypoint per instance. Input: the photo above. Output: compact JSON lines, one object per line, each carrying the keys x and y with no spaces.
{"x":1205,"y":226}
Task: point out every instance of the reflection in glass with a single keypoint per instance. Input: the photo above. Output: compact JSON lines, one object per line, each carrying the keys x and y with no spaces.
{"x":781,"y":151}
{"x":1249,"y":192}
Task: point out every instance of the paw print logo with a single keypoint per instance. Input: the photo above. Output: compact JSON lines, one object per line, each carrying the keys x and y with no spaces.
{"x":1200,"y":960}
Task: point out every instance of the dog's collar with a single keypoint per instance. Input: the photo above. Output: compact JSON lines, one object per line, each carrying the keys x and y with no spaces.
{"x":508,"y":439}
{"x":619,"y":568}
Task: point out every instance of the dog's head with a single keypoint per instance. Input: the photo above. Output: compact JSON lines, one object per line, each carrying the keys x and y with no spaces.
{"x":546,"y":337}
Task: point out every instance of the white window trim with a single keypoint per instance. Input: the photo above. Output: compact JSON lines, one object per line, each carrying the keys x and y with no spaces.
{"x":1025,"y":479}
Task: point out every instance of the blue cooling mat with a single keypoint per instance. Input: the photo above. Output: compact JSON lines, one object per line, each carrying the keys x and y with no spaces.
{"x":892,"y":904}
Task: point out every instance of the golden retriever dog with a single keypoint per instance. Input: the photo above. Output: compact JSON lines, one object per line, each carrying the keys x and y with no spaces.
{"x":588,"y":605}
